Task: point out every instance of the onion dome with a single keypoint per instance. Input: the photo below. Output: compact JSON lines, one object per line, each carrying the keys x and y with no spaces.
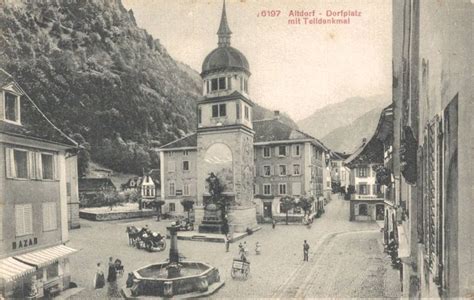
{"x":224,"y":57}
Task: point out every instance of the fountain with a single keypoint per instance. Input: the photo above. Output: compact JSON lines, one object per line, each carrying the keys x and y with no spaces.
{"x":174,"y":278}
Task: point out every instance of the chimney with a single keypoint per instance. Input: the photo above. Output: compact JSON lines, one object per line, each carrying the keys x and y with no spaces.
{"x":276,"y":114}
{"x":364,"y":140}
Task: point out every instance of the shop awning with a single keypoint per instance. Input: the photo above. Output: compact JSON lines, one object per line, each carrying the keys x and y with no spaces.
{"x":45,"y":257}
{"x":12,"y":269}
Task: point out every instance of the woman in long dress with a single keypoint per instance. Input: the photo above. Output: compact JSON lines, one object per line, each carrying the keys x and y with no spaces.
{"x":99,"y":279}
{"x":112,"y":272}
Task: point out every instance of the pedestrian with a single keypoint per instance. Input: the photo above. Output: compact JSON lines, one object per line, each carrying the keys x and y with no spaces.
{"x":273,"y":223}
{"x":227,"y":242}
{"x":246,"y":249}
{"x":305,"y":251}
{"x":99,"y":279}
{"x":112,"y":272}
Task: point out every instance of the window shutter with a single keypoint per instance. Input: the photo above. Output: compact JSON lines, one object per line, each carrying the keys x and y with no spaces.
{"x":287,"y":150}
{"x":10,"y":163}
{"x":39,"y":165}
{"x":19,"y":223}
{"x":31,"y":165}
{"x":28,"y":218}
{"x":55,"y":167}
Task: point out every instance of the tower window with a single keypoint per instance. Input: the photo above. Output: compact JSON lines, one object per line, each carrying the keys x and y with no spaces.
{"x":214,"y":84}
{"x":218,"y":110}
{"x":247,"y":113}
{"x":222,"y":111}
{"x":246,"y":86}
{"x":229,"y":82}
{"x":222,"y":83}
{"x":199,"y":115}
{"x":237,"y":110}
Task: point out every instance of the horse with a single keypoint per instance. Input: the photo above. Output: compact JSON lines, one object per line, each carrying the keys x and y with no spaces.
{"x":133,"y":235}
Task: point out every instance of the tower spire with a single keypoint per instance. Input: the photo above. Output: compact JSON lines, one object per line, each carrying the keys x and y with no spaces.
{"x":224,"y":31}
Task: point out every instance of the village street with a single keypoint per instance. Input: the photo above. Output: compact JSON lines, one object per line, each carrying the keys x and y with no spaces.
{"x":346,"y":258}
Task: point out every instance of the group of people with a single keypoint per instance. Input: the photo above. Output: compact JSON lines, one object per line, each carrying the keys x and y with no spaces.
{"x":115,"y":269}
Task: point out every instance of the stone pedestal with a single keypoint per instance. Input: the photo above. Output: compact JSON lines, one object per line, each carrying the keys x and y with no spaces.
{"x":241,"y":218}
{"x":198,"y":215}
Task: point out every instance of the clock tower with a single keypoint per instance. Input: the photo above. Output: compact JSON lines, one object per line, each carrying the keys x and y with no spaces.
{"x":225,"y":133}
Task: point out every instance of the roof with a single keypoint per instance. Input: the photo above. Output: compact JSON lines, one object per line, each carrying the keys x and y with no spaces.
{"x":274,"y":130}
{"x":384,"y":128}
{"x":373,"y":151}
{"x":225,"y":58}
{"x":187,"y":141}
{"x":268,"y":130}
{"x":224,"y":26}
{"x":95,"y":184}
{"x":34,"y":123}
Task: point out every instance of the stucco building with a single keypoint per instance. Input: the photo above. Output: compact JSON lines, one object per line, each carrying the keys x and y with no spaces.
{"x":367,"y":202}
{"x":38,"y":178}
{"x":433,"y":146}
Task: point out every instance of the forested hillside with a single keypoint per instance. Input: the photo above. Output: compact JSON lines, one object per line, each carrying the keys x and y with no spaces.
{"x":100,"y":78}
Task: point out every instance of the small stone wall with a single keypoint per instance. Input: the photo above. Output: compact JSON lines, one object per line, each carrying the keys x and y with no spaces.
{"x":107,"y":216}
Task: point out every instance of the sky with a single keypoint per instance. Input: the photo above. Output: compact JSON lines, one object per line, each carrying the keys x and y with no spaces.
{"x":296,"y":68}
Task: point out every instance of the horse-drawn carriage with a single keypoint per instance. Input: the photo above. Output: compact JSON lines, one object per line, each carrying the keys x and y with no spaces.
{"x":240,"y":268}
{"x":146,"y":239}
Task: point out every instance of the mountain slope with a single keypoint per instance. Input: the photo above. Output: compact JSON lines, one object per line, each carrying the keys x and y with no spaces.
{"x":348,"y":138}
{"x":96,"y":74}
{"x":341,"y":114}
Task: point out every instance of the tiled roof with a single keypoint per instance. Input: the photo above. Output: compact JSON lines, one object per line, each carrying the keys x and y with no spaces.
{"x":274,"y":130}
{"x":34,"y":124}
{"x":187,"y":141}
{"x":268,"y":130}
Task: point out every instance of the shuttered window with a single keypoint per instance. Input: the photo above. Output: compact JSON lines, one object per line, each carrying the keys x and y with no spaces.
{"x":23,"y":219}
{"x":49,"y":216}
{"x":47,"y":166}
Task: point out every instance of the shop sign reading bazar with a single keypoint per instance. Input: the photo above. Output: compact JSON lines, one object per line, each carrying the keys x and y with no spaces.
{"x":24,"y":243}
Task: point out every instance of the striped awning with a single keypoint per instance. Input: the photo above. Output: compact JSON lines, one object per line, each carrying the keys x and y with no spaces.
{"x":45,"y":257}
{"x":11,"y":269}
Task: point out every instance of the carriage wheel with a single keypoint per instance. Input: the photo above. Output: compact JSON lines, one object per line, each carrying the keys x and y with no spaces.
{"x":232,"y":273}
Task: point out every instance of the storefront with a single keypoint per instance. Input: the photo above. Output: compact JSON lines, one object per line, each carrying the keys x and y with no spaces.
{"x":36,"y":274}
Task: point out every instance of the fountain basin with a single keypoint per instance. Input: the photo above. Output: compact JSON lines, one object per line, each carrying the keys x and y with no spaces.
{"x":197,"y":279}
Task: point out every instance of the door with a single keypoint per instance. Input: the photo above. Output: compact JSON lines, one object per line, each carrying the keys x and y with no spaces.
{"x":267,"y":210}
{"x":379,"y":212}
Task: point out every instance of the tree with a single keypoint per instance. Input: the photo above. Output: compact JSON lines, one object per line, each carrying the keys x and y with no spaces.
{"x":187,"y":205}
{"x":306,"y":203}
{"x":287,"y":203}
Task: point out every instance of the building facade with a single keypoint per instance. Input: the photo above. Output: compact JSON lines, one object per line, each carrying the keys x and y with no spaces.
{"x":432,"y":147}
{"x":367,"y":200}
{"x":37,"y":186}
{"x":287,"y":162}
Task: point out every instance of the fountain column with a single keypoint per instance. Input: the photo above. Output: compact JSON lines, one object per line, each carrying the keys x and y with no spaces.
{"x":173,"y":267}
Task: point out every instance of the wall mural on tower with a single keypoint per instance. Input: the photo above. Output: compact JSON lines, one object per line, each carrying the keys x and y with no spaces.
{"x":218,"y":160}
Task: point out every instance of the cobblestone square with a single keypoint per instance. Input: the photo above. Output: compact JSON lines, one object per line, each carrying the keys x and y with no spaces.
{"x":346,"y":258}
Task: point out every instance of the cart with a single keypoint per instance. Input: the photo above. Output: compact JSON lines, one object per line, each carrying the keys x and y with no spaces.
{"x":240,"y":268}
